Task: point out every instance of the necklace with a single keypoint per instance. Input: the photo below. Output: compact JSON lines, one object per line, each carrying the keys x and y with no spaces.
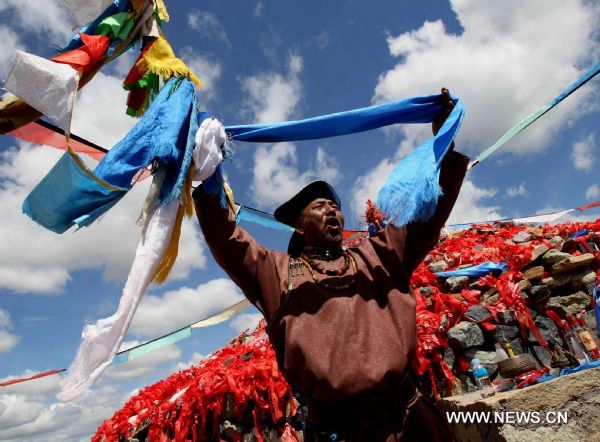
{"x":316,"y":265}
{"x":322,"y":254}
{"x":348,"y":261}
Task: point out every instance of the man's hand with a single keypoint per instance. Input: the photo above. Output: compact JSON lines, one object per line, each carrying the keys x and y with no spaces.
{"x":447,"y":106}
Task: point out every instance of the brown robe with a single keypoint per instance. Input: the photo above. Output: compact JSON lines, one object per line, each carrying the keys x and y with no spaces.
{"x":348,"y":352}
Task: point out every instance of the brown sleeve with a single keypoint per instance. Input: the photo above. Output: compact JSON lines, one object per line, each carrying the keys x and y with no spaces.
{"x":422,"y":237}
{"x":251,"y":266}
{"x":401,"y":249}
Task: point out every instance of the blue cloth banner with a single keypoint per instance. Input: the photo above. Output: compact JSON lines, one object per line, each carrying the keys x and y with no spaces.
{"x":69,"y":194}
{"x":264,"y":219}
{"x":476,"y":271}
{"x":411,"y":190}
{"x":580,"y":233}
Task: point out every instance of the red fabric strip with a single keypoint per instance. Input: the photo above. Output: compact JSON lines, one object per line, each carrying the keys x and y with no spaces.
{"x":37,"y":376}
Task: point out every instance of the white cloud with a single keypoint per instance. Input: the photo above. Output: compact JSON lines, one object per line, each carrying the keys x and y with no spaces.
{"x":41,"y":261}
{"x":8,"y":340}
{"x":144,"y":364}
{"x":272,"y":96}
{"x":276,"y":175}
{"x":592,"y":192}
{"x":23,"y":417}
{"x":471,"y":205}
{"x":207,"y":25}
{"x":43,"y":18}
{"x":158,"y":315}
{"x":246,"y":321}
{"x":194,"y":359}
{"x":582,"y":155}
{"x":206,"y":69}
{"x":519,"y":190}
{"x":507,"y":62}
{"x":10,"y":43}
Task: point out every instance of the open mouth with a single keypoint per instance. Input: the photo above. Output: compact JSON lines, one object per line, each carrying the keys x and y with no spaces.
{"x":333,"y":223}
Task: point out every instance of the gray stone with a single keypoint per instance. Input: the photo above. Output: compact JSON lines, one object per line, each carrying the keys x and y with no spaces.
{"x":477,"y":313}
{"x":426,"y":291}
{"x":465,"y":335}
{"x":487,"y":359}
{"x":541,"y":355}
{"x":556,"y":241}
{"x":449,"y":357}
{"x":479,"y":247}
{"x":524,"y":284}
{"x":572,"y":303}
{"x":230,"y":429}
{"x":438,"y":266}
{"x":508,"y":332}
{"x":538,"y":251}
{"x":589,"y":289}
{"x":547,"y":329}
{"x":506,"y":317}
{"x":539,"y":293}
{"x":553,"y":256}
{"x":467,"y":383}
{"x":581,"y":280}
{"x":457,"y":283}
{"x":533,"y":313}
{"x":522,"y":236}
{"x":557,"y":281}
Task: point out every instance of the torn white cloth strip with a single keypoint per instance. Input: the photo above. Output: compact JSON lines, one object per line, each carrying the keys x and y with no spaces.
{"x":84,"y":11}
{"x":101,"y":341}
{"x":546,"y":218}
{"x":207,"y":154}
{"x":45,"y":85}
{"x":223,"y":315}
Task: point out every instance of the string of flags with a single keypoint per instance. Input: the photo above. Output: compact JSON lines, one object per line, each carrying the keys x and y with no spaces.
{"x":147,"y":347}
{"x":179,"y":145}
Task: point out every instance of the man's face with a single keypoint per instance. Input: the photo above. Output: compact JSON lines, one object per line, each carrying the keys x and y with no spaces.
{"x":321,"y":223}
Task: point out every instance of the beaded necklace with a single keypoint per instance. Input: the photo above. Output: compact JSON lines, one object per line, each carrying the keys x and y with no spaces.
{"x":313,"y":265}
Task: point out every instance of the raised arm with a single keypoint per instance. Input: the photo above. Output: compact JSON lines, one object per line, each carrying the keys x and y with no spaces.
{"x":251,"y":266}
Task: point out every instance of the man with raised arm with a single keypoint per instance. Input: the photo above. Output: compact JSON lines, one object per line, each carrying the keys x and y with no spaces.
{"x":342,"y":322}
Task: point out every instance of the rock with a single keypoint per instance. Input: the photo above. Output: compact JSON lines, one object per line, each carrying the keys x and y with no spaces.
{"x":572,"y":303}
{"x":534,"y":273}
{"x":477,"y":313}
{"x":581,"y":280}
{"x":449,"y":357}
{"x":547,"y":329}
{"x":457,"y":283}
{"x":538,"y":251}
{"x":426,"y":291}
{"x":572,"y":262}
{"x":438,"y":266}
{"x":553,"y":256}
{"x":541,"y":355}
{"x":524,"y":284}
{"x":557,"y":281}
{"x":487,"y":359}
{"x":506,"y":332}
{"x":467,"y":383}
{"x":522,"y":236}
{"x":506,"y":317}
{"x":490,"y":300}
{"x":465,"y":335}
{"x":479,"y":247}
{"x":533,"y":313}
{"x":589,"y":288}
{"x":539,"y":293}
{"x":556,"y":241}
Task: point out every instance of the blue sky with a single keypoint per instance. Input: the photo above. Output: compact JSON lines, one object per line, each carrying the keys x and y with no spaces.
{"x":270,"y":61}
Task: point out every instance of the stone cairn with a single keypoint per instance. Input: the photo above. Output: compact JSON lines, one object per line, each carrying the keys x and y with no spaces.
{"x":238,"y":394}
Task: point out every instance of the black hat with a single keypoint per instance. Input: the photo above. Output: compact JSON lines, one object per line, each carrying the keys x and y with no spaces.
{"x":289,"y":212}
